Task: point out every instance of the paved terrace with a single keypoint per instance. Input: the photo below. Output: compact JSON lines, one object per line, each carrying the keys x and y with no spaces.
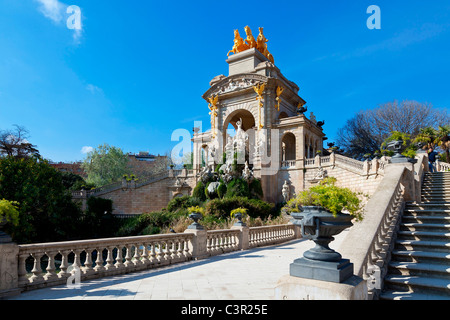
{"x":240,"y":275}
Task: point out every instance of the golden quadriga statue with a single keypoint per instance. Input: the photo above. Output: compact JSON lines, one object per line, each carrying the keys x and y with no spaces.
{"x":260,"y":43}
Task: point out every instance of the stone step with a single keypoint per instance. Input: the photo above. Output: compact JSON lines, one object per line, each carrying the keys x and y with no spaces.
{"x":425,"y":218}
{"x":414,"y":226}
{"x":422,"y":245}
{"x":424,"y":285}
{"x":422,"y":205}
{"x":427,"y":212}
{"x":423,"y":235}
{"x":421,"y":256}
{"x":414,"y":269}
{"x":410,"y":295}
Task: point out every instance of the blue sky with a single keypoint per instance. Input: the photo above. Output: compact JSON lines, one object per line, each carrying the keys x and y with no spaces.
{"x":136,"y":70}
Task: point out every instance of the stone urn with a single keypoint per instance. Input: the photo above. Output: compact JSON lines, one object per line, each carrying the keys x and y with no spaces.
{"x":4,"y":237}
{"x":321,"y":262}
{"x":239,"y":222}
{"x":196,"y":216}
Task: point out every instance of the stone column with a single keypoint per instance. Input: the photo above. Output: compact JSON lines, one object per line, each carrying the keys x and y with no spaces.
{"x":198,"y":244}
{"x":9,"y":277}
{"x":243,"y":237}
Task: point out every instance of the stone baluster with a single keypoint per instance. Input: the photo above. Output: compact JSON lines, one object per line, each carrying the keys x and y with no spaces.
{"x":64,"y":264}
{"x":144,"y":256}
{"x":136,"y":258}
{"x":160,"y":253}
{"x":99,"y":261}
{"x":119,"y":259}
{"x":153,"y":259}
{"x":36,"y":271}
{"x":128,"y":258}
{"x":88,"y":269}
{"x":109,"y":258}
{"x":51,"y":274}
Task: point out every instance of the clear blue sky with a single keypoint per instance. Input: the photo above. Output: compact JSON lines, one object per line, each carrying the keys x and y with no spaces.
{"x":136,"y":70}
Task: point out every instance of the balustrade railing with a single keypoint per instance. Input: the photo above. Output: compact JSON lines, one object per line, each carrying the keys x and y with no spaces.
{"x":379,"y":254}
{"x":442,"y":166}
{"x":49,"y":264}
{"x":222,"y":241}
{"x":260,"y":236}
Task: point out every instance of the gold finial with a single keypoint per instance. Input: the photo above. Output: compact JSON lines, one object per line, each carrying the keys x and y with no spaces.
{"x":278,"y":98}
{"x":213,"y":107}
{"x":259,"y":89}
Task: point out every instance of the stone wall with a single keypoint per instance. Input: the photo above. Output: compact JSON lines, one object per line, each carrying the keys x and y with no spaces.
{"x":146,"y":197}
{"x":366,"y":184}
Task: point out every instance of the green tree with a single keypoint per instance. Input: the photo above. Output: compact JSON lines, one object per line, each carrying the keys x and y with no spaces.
{"x":443,"y":140}
{"x":46,"y":210}
{"x":105,"y":164}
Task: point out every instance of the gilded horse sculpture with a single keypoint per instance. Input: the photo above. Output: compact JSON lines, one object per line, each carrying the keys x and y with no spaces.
{"x":239,"y":44}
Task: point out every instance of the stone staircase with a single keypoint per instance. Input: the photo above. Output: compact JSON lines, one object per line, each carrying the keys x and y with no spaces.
{"x":420,"y":264}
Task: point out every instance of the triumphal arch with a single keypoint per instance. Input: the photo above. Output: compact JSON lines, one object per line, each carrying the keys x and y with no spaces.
{"x":258,"y":117}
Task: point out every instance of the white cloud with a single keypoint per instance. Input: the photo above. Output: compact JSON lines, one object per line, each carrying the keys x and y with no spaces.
{"x":52,"y":9}
{"x":60,"y":13}
{"x":86,"y":149}
{"x":93,"y":89}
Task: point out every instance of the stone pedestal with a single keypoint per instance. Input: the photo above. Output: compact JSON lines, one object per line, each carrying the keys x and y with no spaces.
{"x":198,"y":245}
{"x":243,"y":237}
{"x":9,"y":269}
{"x":294,"y":288}
{"x":334,"y":271}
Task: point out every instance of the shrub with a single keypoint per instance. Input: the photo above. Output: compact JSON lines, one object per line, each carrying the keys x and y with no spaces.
{"x":333,"y":198}
{"x":183,"y":202}
{"x":221,"y":208}
{"x":222,"y":190}
{"x":237,"y":188}
{"x":255,"y":187}
{"x":199,"y":191}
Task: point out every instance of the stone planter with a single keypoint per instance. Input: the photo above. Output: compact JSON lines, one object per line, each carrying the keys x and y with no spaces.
{"x":239,"y":223}
{"x":4,"y":237}
{"x":321,"y":262}
{"x":195,"y":225}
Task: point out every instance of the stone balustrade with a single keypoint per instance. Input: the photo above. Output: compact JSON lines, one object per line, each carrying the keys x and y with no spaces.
{"x":33,"y":266}
{"x":367,"y":167}
{"x":442,"y":166}
{"x":369,"y":243}
{"x":267,"y":235}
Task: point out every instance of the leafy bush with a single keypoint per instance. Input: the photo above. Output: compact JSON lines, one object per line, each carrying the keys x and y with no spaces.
{"x":9,"y":212}
{"x":222,"y":189}
{"x":329,"y":196}
{"x":46,"y":211}
{"x":183,"y":202}
{"x":256,"y":191}
{"x":149,"y":223}
{"x":199,"y":191}
{"x":237,"y":188}
{"x":221,"y":208}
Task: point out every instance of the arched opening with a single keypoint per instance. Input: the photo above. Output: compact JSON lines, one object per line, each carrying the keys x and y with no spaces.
{"x":230,"y":126}
{"x":283,"y":115}
{"x":288,"y":149}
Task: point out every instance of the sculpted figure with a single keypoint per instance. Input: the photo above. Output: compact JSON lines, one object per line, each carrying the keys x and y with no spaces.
{"x":251,"y":42}
{"x":261,"y":45}
{"x":239,"y":44}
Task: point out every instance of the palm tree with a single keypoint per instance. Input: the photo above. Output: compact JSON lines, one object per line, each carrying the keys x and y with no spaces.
{"x":443,"y":140}
{"x":427,"y":136}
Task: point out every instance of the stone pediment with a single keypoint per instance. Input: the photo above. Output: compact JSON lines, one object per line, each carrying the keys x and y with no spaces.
{"x":235,"y":83}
